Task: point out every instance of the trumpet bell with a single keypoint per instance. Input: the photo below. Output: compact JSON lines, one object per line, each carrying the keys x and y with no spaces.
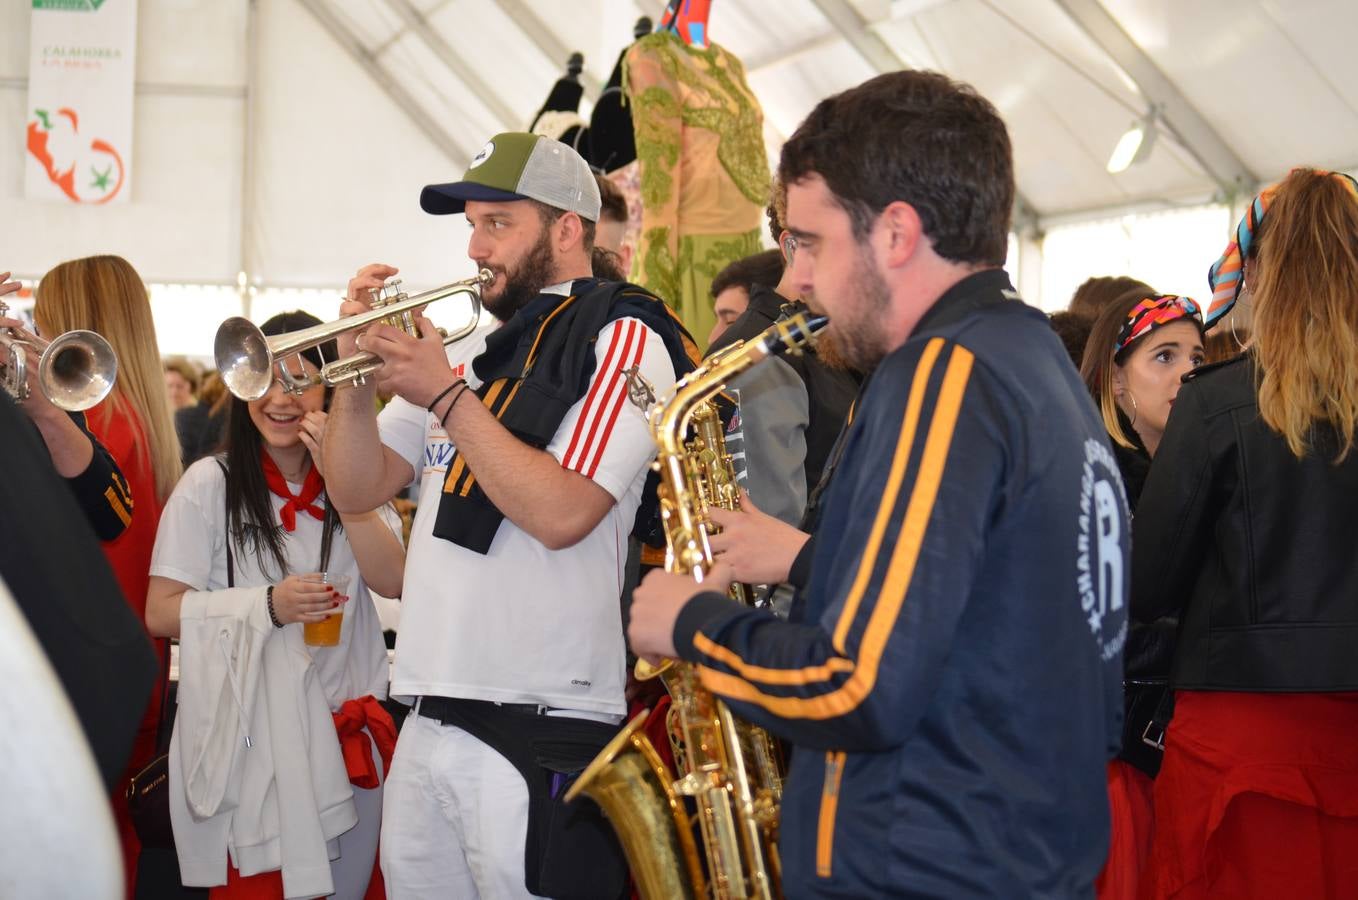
{"x":244,"y":359}
{"x":77,"y":370}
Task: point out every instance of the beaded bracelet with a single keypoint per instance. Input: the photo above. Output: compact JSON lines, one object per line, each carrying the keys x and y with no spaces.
{"x":273,"y":616}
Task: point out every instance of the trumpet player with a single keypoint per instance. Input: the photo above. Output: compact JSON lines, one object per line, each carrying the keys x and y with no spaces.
{"x":530,"y":464}
{"x":952,"y":684}
{"x":88,"y":468}
{"x":56,"y":572}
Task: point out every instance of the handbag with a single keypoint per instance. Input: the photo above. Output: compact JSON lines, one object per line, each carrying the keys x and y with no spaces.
{"x":148,"y":793}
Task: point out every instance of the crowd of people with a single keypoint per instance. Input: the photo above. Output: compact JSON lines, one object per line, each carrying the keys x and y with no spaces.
{"x":1055,"y":605}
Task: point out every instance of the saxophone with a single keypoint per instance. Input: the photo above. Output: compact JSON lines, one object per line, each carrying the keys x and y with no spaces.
{"x":729,"y":767}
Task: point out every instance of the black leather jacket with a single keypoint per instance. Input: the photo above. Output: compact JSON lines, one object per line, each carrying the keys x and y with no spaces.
{"x":1252,"y":547}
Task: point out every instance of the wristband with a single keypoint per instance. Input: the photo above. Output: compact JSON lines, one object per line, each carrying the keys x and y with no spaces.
{"x":443,"y":422}
{"x":273,"y":616}
{"x":444,"y":393}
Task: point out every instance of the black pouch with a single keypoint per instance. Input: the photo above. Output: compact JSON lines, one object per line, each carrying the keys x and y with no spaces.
{"x":570,"y":850}
{"x":577,"y":854}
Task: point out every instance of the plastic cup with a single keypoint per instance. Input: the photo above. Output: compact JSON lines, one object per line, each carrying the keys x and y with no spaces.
{"x":326,"y":633}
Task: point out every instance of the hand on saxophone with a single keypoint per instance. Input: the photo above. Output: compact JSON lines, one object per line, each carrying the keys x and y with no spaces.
{"x":758,"y":547}
{"x":656,"y":604}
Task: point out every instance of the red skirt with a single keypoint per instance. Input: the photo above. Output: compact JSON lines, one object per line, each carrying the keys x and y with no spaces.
{"x":1132,"y":819}
{"x":1257,"y":797}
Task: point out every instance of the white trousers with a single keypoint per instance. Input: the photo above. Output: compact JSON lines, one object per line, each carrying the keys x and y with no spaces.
{"x":454,"y":817}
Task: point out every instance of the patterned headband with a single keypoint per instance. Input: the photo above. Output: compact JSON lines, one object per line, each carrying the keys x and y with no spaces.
{"x":1153,"y":312}
{"x":1226,"y":274}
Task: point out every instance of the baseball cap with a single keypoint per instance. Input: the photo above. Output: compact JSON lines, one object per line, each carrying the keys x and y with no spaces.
{"x":517,"y":165}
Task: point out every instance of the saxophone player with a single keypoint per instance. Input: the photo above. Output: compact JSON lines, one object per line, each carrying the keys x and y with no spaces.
{"x":951,"y":679}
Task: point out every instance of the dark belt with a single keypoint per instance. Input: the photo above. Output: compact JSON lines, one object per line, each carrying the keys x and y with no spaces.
{"x":443,"y":709}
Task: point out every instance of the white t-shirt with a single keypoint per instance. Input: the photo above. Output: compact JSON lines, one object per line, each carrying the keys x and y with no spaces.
{"x":191,"y":547}
{"x":525,"y":624}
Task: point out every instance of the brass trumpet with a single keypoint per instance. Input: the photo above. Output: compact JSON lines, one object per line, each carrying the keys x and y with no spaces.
{"x":247,"y":358}
{"x":76,"y":370}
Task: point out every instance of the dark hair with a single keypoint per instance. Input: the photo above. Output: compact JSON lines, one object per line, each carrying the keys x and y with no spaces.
{"x":917,"y":137}
{"x":1224,"y":343}
{"x":251,"y":524}
{"x":776,"y":210}
{"x":549,"y":215}
{"x":612,"y":203}
{"x":1073,"y":331}
{"x":765,"y":267}
{"x":1095,"y":293}
{"x":606,"y":265}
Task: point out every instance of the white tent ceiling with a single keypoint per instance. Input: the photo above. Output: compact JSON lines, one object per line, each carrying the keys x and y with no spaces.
{"x":289,"y":138}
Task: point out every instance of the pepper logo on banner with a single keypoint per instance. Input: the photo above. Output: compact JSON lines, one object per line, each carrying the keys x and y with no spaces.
{"x":81,"y":91}
{"x":55,"y":142}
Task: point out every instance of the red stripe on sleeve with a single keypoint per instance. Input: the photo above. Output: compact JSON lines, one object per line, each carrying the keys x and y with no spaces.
{"x":614,"y":386}
{"x":589,"y":399}
{"x":617,"y":407}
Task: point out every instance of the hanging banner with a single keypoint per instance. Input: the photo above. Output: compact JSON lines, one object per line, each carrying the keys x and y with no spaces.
{"x":81,"y":75}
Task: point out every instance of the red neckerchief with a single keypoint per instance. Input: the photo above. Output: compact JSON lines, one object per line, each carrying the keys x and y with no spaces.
{"x":305,"y":501}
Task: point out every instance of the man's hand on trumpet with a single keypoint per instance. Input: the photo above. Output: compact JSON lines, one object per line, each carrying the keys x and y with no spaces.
{"x":357,"y":299}
{"x":415,"y":369}
{"x":7,"y":286}
{"x":37,"y":406}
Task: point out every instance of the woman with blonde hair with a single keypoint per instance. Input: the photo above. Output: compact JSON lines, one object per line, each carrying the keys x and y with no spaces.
{"x":1244,"y":531}
{"x":106,"y":295}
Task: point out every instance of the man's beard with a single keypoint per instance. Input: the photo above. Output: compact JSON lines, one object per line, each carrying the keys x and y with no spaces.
{"x":854,"y":338}
{"x":827,"y":350}
{"x":524,"y":282}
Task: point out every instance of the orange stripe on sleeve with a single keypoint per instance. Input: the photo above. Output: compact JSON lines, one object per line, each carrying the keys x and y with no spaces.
{"x":904,"y":444}
{"x":771,"y":676}
{"x":900,"y":571}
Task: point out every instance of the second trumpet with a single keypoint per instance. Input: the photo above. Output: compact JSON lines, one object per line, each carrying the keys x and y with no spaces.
{"x":247,"y":359}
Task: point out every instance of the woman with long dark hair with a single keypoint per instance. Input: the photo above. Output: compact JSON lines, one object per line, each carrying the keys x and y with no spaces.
{"x":250,"y":550}
{"x":106,"y":295}
{"x":1245,"y":531}
{"x":1139,"y":349}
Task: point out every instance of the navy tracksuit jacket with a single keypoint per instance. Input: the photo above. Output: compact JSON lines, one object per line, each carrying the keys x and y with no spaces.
{"x":953,"y":692}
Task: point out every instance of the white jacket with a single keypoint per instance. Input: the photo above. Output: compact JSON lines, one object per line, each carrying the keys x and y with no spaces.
{"x":255,"y":767}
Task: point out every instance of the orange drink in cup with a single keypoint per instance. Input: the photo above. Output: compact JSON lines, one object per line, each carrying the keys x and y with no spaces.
{"x":326,"y":633}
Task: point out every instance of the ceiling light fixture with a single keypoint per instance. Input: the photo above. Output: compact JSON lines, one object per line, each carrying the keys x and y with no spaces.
{"x":1135,"y":145}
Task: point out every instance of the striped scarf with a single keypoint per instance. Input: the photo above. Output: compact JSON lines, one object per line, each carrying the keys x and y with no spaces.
{"x":1226,"y":276}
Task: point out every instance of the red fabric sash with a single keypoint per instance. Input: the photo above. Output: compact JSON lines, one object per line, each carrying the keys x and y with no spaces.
{"x":305,"y":501}
{"x":358,"y":758}
{"x":358,"y":762}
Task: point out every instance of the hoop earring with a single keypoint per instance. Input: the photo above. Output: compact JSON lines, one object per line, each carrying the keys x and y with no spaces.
{"x":1235,"y":337}
{"x":1132,"y":397}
